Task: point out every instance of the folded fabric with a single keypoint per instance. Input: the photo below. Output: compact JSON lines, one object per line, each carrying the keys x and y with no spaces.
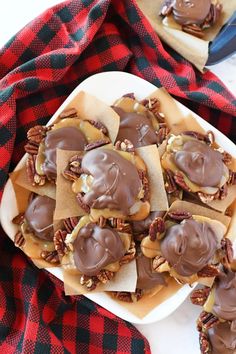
{"x":39,"y":68}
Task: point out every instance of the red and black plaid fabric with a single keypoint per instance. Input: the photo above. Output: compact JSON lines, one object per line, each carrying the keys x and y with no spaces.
{"x":37,"y":318}
{"x":39,"y":67}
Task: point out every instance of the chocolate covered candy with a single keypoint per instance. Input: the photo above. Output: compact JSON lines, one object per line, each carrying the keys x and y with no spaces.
{"x":39,"y":217}
{"x":189,"y":246}
{"x":187,"y":12}
{"x":202,"y":164}
{"x":67,"y":138}
{"x":95,"y":248}
{"x":116,"y":182}
{"x":135,"y":127}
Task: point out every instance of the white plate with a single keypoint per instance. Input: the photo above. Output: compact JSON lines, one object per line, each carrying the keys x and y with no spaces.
{"x":108,"y":87}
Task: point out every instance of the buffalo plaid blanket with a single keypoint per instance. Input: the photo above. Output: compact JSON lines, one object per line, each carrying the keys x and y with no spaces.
{"x":39,"y":67}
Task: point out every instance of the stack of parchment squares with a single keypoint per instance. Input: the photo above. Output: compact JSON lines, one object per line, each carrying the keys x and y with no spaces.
{"x":126,"y":199}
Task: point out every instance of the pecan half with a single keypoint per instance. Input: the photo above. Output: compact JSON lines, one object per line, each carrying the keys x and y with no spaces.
{"x":162,"y":134}
{"x":73,"y":170}
{"x":31,"y":148}
{"x":128,"y":297}
{"x":30,"y":168}
{"x":89,"y":282}
{"x":125,"y":145}
{"x":222,"y":192}
{"x":232,"y":178}
{"x":129,"y":95}
{"x":206,"y":320}
{"x":206,"y":198}
{"x":71,"y":176}
{"x":100,"y":126}
{"x":70,"y":224}
{"x":228,"y":252}
{"x":37,"y":133}
{"x":208,"y":271}
{"x":96,"y":144}
{"x":34,"y":178}
{"x":144,"y":178}
{"x":156,"y":228}
{"x":199,"y":296}
{"x":204,"y":343}
{"x":120,"y":225}
{"x":81,"y":202}
{"x":102,"y":222}
{"x":227,"y":158}
{"x":179,"y":215}
{"x":194,"y":30}
{"x":59,"y":242}
{"x":18,"y":219}
{"x":68,"y":113}
{"x":152,"y":104}
{"x":105,"y":275}
{"x":179,"y":179}
{"x":75,"y":164}
{"x":19,"y":239}
{"x":157,"y":262}
{"x":50,"y":256}
{"x":129,"y":255}
{"x":170,"y":184}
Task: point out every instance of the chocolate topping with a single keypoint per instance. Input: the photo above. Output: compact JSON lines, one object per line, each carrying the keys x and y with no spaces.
{"x":39,"y":216}
{"x":95,"y":248}
{"x":67,"y":138}
{"x":147,"y":279}
{"x":142,"y":226}
{"x":223,"y":338}
{"x":116,"y":182}
{"x":135,"y":127}
{"x":225,"y":296}
{"x":186,"y":12}
{"x":200,"y":163}
{"x":189,"y":246}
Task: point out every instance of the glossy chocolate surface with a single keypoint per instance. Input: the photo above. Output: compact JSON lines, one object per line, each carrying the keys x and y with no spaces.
{"x":202,"y":164}
{"x":147,"y":279}
{"x":187,"y":12}
{"x":39,"y":217}
{"x":95,"y":248}
{"x":189,"y":246}
{"x":116,"y":182}
{"x":225,"y":296}
{"x":135,"y":127}
{"x":67,"y":138}
{"x":222,"y":338}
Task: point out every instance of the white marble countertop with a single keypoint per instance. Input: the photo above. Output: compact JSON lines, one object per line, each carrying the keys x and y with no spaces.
{"x":176,"y":334}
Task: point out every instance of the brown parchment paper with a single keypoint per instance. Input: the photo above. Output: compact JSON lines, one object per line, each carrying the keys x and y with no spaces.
{"x":21,"y":179}
{"x":91,"y":108}
{"x":158,"y":197}
{"x":124,"y":280}
{"x":191,"y":48}
{"x":148,"y":302}
{"x":176,"y":119}
{"x":66,"y":203}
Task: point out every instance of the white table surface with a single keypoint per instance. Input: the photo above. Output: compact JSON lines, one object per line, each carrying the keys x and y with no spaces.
{"x":176,"y":334}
